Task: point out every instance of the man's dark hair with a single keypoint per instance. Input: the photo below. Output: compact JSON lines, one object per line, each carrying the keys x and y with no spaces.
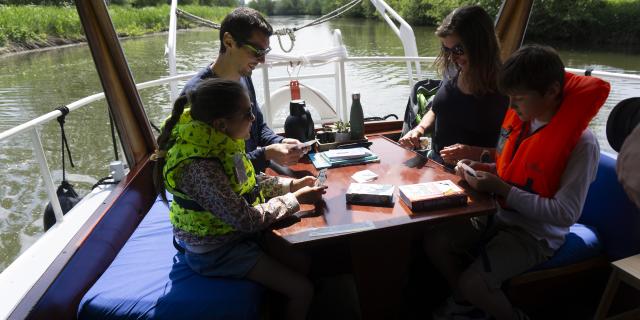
{"x":241,"y":23}
{"x":532,"y":67}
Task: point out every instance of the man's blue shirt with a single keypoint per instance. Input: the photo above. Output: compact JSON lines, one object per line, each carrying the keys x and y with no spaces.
{"x":261,"y":135}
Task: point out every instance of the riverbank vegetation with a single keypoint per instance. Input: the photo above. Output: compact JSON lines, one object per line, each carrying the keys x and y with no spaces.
{"x":590,"y":23}
{"x":31,"y":27}
{"x":587,"y":22}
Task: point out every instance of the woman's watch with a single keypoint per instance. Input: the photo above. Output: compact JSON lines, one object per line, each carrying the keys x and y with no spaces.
{"x":485,"y":156}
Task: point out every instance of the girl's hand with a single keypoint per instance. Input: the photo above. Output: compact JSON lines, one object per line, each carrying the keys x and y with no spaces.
{"x":310,"y":195}
{"x":297,"y":184}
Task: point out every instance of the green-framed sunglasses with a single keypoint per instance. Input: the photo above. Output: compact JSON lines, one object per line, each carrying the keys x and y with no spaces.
{"x":258,"y":53}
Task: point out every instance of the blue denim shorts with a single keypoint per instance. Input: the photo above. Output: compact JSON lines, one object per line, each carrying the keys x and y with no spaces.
{"x":232,"y":260}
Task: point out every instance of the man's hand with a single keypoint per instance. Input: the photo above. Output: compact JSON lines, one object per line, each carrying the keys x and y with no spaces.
{"x":488,"y":182}
{"x":286,"y":153}
{"x":297,"y":184}
{"x":412,"y":138}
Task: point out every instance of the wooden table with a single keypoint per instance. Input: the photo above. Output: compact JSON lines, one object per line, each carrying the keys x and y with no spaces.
{"x":380,"y":255}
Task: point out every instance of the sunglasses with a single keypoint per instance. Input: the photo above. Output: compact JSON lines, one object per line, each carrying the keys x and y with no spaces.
{"x":457,"y":50}
{"x":258,"y":53}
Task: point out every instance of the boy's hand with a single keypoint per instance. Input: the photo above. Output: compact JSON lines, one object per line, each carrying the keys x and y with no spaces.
{"x":488,"y":182}
{"x":475,"y":165}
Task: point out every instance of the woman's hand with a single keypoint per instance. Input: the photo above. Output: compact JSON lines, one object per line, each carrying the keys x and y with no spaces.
{"x":412,"y":138}
{"x":457,"y":152}
{"x":488,"y":182}
{"x":308,"y":181}
{"x":310,"y":195}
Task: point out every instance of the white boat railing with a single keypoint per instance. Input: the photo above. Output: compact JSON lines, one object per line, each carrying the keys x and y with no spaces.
{"x":404,"y":32}
{"x":36,"y":143}
{"x":32,"y":125}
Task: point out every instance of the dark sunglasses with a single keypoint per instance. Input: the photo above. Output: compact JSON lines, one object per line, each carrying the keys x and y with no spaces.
{"x":258,"y":53}
{"x":457,"y":50}
{"x":248,"y":115}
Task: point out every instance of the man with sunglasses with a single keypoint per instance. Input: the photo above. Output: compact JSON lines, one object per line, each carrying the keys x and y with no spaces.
{"x":244,"y":43}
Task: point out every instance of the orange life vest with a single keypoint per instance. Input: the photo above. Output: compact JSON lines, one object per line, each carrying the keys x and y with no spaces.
{"x":535,"y":163}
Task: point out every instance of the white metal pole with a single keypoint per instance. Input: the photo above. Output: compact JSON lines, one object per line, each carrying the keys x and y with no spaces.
{"x":404,"y":32}
{"x":341,"y":90}
{"x":266,"y":106}
{"x":171,"y":49}
{"x":343,"y":87}
{"x":46,"y":174}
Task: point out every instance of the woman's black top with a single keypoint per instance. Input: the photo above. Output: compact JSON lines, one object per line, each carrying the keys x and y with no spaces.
{"x":466,"y":119}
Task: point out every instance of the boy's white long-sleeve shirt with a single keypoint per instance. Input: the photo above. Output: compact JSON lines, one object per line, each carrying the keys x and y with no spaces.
{"x":549,"y":219}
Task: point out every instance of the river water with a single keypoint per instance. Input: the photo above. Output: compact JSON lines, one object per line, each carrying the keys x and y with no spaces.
{"x":32,"y":84}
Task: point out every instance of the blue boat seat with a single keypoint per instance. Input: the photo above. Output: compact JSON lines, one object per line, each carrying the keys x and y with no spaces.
{"x":609,"y":226}
{"x":580,"y":244}
{"x":148,"y":279}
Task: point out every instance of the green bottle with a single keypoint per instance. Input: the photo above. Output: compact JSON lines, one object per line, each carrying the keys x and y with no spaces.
{"x":356,"y":117}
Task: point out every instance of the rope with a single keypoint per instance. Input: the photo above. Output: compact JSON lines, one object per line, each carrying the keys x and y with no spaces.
{"x":103,"y":181}
{"x":154,"y":127}
{"x":198,"y":20}
{"x":113,"y":135}
{"x":367,"y":119}
{"x":331,"y":15}
{"x":588,"y":71}
{"x":280,"y":32}
{"x":64,"y":144}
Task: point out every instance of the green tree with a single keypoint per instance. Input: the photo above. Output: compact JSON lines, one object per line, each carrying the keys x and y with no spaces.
{"x":264,"y":6}
{"x":313,"y":7}
{"x":560,"y":21}
{"x":289,"y":7}
{"x":220,"y":3}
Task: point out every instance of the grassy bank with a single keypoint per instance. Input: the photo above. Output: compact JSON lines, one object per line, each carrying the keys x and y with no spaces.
{"x":30,"y":27}
{"x":586,"y":22}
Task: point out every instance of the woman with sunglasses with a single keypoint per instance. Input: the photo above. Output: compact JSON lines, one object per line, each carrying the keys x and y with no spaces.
{"x":221,"y":206}
{"x":467,"y":111}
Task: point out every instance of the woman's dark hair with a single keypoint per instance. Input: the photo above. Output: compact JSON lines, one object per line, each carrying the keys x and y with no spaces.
{"x":475,"y":28}
{"x":212,"y":99}
{"x":241,"y":23}
{"x":532,"y":67}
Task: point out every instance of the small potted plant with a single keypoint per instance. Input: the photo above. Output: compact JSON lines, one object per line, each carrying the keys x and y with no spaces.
{"x":343,"y":132}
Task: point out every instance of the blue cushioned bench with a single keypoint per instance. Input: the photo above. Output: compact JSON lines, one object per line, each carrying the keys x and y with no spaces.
{"x":609,"y":227}
{"x":148,"y":279}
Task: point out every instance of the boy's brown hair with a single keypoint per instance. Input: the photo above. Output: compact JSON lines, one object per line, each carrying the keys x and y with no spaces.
{"x":531,"y":68}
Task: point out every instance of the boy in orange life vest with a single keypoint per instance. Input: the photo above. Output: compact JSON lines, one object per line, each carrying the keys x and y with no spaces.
{"x":546,"y":160}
